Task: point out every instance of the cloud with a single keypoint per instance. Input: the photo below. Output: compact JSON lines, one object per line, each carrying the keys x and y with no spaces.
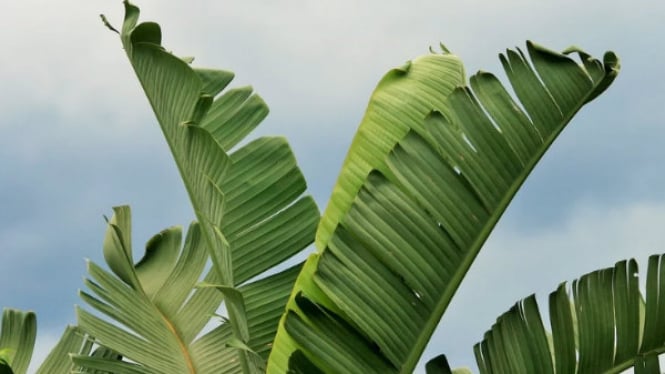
{"x":315,"y":64}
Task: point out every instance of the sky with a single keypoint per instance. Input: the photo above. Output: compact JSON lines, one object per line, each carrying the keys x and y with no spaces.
{"x":77,"y":136}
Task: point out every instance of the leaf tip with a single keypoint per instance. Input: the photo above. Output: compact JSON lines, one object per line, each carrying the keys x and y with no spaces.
{"x":612,"y":62}
{"x":404,"y":69}
{"x":108,"y":25}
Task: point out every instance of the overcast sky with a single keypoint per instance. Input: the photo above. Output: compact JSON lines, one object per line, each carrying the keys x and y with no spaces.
{"x":77,"y":135}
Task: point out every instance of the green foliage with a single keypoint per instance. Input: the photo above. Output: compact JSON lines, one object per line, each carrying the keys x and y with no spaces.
{"x":602,"y":324}
{"x":412,"y":208}
{"x":5,"y":357}
{"x":433,"y":166}
{"x":72,"y":341}
{"x":251,"y":217}
{"x":17,"y":339}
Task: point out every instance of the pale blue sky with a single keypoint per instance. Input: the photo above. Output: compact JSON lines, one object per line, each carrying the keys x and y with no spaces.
{"x":77,"y":136}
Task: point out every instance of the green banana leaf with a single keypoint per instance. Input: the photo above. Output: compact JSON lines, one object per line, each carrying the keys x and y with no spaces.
{"x":72,"y":342}
{"x":410,"y":213}
{"x":162,"y":316}
{"x":251,"y":217}
{"x":605,"y":326}
{"x":17,"y":340}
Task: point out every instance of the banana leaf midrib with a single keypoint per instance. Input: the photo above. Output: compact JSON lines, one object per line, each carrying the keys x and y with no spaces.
{"x":160,"y":120}
{"x":183,"y":347}
{"x":192,"y":197}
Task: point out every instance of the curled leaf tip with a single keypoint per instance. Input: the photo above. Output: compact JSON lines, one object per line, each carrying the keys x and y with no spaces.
{"x":572,"y":49}
{"x":404,"y":68}
{"x":611,"y":60}
{"x":108,"y":24}
{"x":444,"y":49}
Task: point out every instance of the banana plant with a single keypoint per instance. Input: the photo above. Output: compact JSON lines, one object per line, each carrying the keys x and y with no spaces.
{"x":433,"y":166}
{"x":250,"y":218}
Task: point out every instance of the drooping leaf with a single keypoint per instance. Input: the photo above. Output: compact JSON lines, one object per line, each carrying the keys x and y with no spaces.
{"x":408,"y":216}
